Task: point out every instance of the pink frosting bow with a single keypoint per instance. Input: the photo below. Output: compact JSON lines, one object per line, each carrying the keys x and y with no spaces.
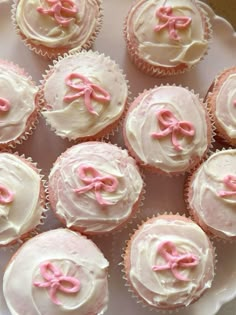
{"x":230,"y":182}
{"x":87,"y":89}
{"x":6,"y":196}
{"x":170,"y":125}
{"x":97,"y":182}
{"x":55,"y":281}
{"x":4,"y":105}
{"x":171,"y":22}
{"x":175,"y":260}
{"x":62,"y":10}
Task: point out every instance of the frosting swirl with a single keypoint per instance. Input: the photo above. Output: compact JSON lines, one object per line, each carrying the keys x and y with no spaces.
{"x":94,"y":186}
{"x":44,"y":29}
{"x":24,"y":210}
{"x":75,"y":257}
{"x":161,"y":288}
{"x":17,"y":103}
{"x":154,"y":39}
{"x":186,"y":134}
{"x":71,"y":118}
{"x":213,"y":197}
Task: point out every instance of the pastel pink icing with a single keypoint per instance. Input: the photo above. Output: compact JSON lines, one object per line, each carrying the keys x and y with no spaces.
{"x":96,"y":181}
{"x":171,"y":125}
{"x":175,"y":260}
{"x":56,"y":281}
{"x":87,"y":89}
{"x":230,"y":182}
{"x":6,"y":195}
{"x":4,"y":105}
{"x":63,"y":11}
{"x":172,"y":22}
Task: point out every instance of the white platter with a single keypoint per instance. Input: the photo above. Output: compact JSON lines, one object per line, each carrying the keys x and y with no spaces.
{"x":162,"y":194}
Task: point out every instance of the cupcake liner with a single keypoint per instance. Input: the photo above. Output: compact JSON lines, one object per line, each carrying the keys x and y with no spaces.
{"x":33,"y":120}
{"x":221,"y":136}
{"x":52,"y":53}
{"x":210,"y":132}
{"x":108,"y":131}
{"x":121,"y":226}
{"x":43,"y":197}
{"x":133,"y":293}
{"x":161,"y":71}
{"x":209,"y":231}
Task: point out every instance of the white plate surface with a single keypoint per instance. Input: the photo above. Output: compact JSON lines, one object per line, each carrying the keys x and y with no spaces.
{"x":163,"y":193}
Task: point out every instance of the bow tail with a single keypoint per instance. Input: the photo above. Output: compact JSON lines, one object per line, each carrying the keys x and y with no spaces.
{"x":175,"y":142}
{"x":100,"y":200}
{"x":83,"y":189}
{"x":87,"y":101}
{"x":52,"y":293}
{"x":178,"y":275}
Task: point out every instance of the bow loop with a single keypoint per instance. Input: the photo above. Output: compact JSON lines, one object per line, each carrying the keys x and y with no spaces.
{"x":185,"y":128}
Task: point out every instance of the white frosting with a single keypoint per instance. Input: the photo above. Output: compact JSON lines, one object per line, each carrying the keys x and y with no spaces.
{"x":20,"y":93}
{"x":156,"y":47}
{"x":225,"y":110}
{"x":44,"y":30}
{"x":161,"y":288}
{"x":75,"y":256}
{"x":142,"y":121}
{"x":24,"y":212}
{"x":73,"y":120}
{"x":83,"y":210}
{"x":217,"y":213}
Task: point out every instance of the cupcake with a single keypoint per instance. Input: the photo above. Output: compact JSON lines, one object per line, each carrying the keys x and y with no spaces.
{"x":54,"y":27}
{"x":95,"y":187}
{"x":169,"y":262}
{"x":166,"y":37}
{"x":62,"y":273}
{"x":84,"y":95}
{"x":18,"y":104}
{"x":211,"y":194}
{"x":22,"y":198}
{"x":167,"y":129}
{"x":221,"y":99}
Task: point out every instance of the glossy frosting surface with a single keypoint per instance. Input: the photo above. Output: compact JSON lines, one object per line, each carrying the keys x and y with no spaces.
{"x":216,"y":211}
{"x":226,"y":106}
{"x":76,"y":257}
{"x":20,"y":93}
{"x":142,"y":122}
{"x":83,"y":209}
{"x":43,"y":29}
{"x":23,"y":213}
{"x":161,"y":288}
{"x":158,"y":48}
{"x":73,"y":119}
